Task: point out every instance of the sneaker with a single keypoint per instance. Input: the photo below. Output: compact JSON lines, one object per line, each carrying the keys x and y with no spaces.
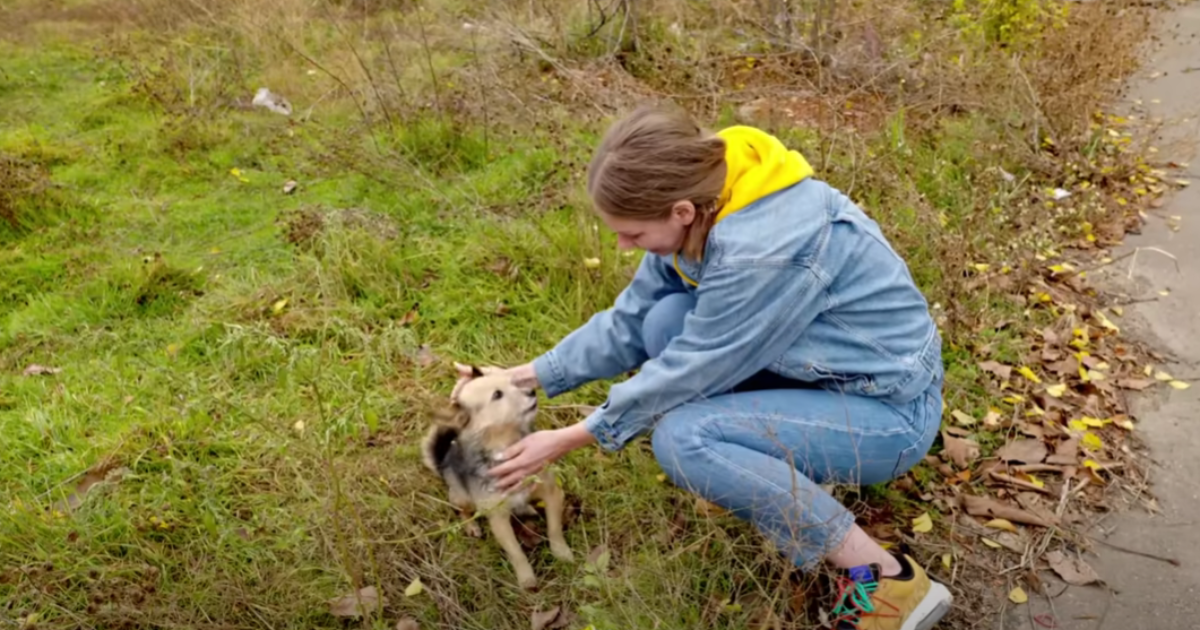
{"x":908,"y":601}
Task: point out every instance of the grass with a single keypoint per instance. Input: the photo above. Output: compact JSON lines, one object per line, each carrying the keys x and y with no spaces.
{"x":249,"y":370}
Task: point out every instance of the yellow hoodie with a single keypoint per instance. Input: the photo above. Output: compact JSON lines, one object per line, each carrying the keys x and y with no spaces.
{"x":757,"y":164}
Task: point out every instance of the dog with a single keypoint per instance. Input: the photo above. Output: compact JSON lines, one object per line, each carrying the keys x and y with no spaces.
{"x":487,"y":414}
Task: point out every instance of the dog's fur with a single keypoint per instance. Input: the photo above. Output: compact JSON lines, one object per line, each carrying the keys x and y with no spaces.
{"x":487,"y":415}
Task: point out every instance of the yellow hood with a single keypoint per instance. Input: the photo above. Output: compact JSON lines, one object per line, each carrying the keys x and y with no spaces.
{"x":757,"y":164}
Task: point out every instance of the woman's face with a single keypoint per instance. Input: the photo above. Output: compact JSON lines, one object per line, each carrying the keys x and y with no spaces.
{"x":657,"y":236}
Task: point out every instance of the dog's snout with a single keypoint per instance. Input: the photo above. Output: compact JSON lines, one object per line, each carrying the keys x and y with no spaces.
{"x":531,"y":393}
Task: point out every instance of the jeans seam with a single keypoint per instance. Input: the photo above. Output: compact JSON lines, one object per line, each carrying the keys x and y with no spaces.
{"x":837,"y":522}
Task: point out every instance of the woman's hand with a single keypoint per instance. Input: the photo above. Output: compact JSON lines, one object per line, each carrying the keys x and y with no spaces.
{"x":531,"y":455}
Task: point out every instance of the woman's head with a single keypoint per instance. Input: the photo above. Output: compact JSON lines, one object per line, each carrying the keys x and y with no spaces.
{"x":656,"y":180}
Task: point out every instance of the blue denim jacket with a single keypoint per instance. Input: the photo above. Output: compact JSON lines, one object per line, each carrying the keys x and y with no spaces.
{"x":800,"y":282}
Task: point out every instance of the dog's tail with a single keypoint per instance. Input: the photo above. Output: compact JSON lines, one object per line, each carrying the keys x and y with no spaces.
{"x":436,"y":445}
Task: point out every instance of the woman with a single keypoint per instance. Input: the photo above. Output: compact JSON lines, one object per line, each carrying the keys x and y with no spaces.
{"x":781,"y":341}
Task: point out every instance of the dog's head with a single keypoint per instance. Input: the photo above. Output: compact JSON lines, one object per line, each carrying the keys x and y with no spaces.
{"x":490,"y":399}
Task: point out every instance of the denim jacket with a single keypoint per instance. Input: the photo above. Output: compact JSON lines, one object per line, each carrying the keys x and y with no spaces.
{"x":800,"y":282}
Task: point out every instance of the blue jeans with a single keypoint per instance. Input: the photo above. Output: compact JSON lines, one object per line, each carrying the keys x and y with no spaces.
{"x":761,"y":450}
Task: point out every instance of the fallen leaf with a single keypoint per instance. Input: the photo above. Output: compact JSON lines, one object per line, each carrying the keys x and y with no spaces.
{"x":1072,"y":570}
{"x":991,"y":508}
{"x":1092,"y":464}
{"x":1178,"y":384}
{"x":946,"y":558}
{"x":997,"y":368}
{"x":1163,"y":376}
{"x":1137,"y":384}
{"x":991,"y":543}
{"x":105,"y":471}
{"x":591,"y":263}
{"x":1092,"y":442}
{"x":1105,"y":322}
{"x":414,"y":588}
{"x":1056,"y":391}
{"x":237,"y":173}
{"x":269,"y":100}
{"x":1018,"y":596}
{"x":999,"y":523}
{"x":1023,"y":450}
{"x":290,"y":187}
{"x":923,"y":524}
{"x":993,"y":419}
{"x":298,"y":427}
{"x":1066,"y":453}
{"x":425,"y":356}
{"x":960,"y":451}
{"x":1124,"y":423}
{"x":408,"y":623}
{"x":599,"y":557}
{"x":542,"y":619}
{"x":279,"y":305}
{"x":38,"y":370}
{"x":1029,"y":374}
{"x":355,"y":604}
{"x":963,"y":418}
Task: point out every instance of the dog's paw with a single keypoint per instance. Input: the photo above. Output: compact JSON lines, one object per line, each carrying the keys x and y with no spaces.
{"x":527,"y":582}
{"x":562,"y":552}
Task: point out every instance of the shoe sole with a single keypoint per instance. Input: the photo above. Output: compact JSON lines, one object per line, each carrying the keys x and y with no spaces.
{"x":932,"y":608}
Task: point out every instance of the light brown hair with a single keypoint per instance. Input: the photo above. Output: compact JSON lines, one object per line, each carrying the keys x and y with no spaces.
{"x":654,"y":158}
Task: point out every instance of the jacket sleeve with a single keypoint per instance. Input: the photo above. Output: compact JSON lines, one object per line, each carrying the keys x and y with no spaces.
{"x":747,"y":315}
{"x":610,"y":343}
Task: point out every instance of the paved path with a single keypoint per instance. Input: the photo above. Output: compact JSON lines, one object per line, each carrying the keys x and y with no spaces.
{"x":1147,"y":593}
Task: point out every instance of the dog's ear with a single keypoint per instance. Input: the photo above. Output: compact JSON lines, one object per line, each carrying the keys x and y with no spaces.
{"x":453,"y":415}
{"x":467,"y":371}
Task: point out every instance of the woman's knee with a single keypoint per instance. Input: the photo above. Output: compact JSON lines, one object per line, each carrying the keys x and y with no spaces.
{"x":675,"y":440}
{"x":664,"y":321}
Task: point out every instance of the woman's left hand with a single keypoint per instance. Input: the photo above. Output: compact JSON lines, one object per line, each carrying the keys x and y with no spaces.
{"x":531,"y":455}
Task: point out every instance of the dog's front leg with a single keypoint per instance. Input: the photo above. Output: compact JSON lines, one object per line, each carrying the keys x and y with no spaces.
{"x":550,"y":492}
{"x":500,"y":520}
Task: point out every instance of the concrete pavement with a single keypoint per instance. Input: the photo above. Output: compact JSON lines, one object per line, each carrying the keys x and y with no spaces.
{"x":1147,"y":593}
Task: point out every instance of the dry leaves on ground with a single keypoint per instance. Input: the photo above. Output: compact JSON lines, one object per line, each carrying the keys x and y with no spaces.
{"x":1073,"y":570}
{"x":355,"y":604}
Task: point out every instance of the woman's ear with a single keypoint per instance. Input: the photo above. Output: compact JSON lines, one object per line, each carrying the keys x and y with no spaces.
{"x":684,"y":212}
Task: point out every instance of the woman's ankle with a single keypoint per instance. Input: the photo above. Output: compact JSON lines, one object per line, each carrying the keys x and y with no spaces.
{"x":859,"y":549}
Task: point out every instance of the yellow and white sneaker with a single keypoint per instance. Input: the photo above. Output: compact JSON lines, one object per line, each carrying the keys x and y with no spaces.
{"x":908,"y":601}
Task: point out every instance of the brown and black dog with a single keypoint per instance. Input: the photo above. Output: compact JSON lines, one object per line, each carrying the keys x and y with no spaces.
{"x":486,"y":416}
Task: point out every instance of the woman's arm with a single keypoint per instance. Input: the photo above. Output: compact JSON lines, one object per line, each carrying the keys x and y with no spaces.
{"x":610,"y":343}
{"x":747,"y":315}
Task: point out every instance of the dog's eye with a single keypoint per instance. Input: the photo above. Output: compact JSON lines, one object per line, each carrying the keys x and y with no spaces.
{"x":497,"y":395}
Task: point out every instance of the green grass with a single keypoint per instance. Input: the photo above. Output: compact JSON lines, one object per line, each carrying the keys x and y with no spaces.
{"x":248,"y":364}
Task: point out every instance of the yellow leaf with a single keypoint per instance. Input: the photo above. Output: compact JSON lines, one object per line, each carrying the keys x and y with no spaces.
{"x":1163,"y":376}
{"x":1148,"y":370}
{"x":1035,"y":412}
{"x":981,"y":267}
{"x":1125,"y":423}
{"x":1014,"y":399}
{"x":991,"y":543}
{"x":1018,"y":596}
{"x":662,"y":478}
{"x":591,"y":263}
{"x":277,"y":307}
{"x":1105,"y":322}
{"x":1093,"y":464}
{"x":1179,"y":384}
{"x":962,"y":418}
{"x":1057,"y":391}
{"x":1035,"y":481}
{"x":1077,"y":425}
{"x":1092,"y":442}
{"x":1029,"y":374}
{"x":999,"y":523}
{"x":415,"y":588}
{"x":923,"y":524}
{"x":1095,"y":423}
{"x":1118,"y":311}
{"x":946,"y":558}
